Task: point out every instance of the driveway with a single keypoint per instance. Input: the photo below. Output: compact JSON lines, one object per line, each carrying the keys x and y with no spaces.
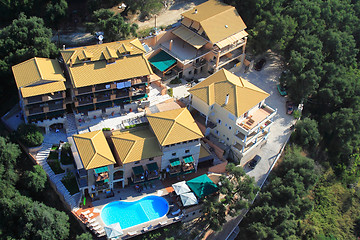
{"x":267,"y":80}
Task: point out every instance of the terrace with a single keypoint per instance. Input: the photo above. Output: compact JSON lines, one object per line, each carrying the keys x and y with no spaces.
{"x":260,"y":117}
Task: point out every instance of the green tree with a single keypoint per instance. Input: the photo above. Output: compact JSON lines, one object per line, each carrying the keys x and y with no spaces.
{"x":55,"y":12}
{"x":146,"y":7}
{"x":307,"y":133}
{"x":113,"y":26}
{"x":214,"y":213}
{"x":22,"y":39}
{"x":35,"y":180}
{"x":30,"y":135}
{"x":85,"y":236}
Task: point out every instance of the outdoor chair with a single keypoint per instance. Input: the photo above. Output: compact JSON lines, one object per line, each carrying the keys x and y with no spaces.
{"x":132,"y":233}
{"x":96,"y":228}
{"x":176,"y":212}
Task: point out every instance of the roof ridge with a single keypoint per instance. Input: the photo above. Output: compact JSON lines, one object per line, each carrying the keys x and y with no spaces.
{"x":171,"y":127}
{"x":38,"y":69}
{"x":189,"y":128}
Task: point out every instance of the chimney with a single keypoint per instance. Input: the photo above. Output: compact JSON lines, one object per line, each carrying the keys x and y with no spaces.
{"x":195,"y":11}
{"x":227,"y":99}
{"x":64,"y":47}
{"x":170,"y":44}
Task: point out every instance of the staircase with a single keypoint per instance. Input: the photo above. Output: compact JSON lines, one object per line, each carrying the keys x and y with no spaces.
{"x":71,"y":127}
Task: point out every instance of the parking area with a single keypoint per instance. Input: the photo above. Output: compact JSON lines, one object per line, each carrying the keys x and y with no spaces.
{"x":267,"y":80}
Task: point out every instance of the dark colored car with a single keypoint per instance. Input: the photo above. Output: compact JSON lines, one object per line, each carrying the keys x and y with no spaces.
{"x":260,"y":64}
{"x":289,"y":107}
{"x":254,"y":161}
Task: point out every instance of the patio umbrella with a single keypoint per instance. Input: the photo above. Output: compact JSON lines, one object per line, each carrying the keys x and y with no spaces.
{"x":188,"y":199}
{"x":202,"y":186}
{"x":181,"y":187}
{"x":113,"y":230}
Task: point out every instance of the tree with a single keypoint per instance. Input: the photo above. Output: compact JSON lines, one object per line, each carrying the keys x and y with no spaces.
{"x":24,"y":38}
{"x":113,"y":26}
{"x":30,"y":135}
{"x":35,"y":180}
{"x":214,"y":213}
{"x":146,"y":7}
{"x":306,"y":133}
{"x":55,"y":12}
{"x":84,"y":236}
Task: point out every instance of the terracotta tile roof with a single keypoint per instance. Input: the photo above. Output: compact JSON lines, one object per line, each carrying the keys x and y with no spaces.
{"x":242,"y":94}
{"x":93,"y":149}
{"x":102,"y":51}
{"x":218,"y":20}
{"x":135,"y":145}
{"x":98,"y":72}
{"x":174,"y":126}
{"x":38,"y":76}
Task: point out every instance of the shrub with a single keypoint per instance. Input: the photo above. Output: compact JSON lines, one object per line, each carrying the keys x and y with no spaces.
{"x":175,"y":81}
{"x":66,"y":154}
{"x":30,"y":135}
{"x":106,"y":129}
{"x":170,"y":92}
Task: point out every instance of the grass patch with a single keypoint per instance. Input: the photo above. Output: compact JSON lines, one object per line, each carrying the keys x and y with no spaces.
{"x":71,"y":185}
{"x":66,"y":154}
{"x":53,"y":155}
{"x":55,"y":166}
{"x":144,"y":32}
{"x":170,"y":92}
{"x":54,"y":147}
{"x":175,"y":81}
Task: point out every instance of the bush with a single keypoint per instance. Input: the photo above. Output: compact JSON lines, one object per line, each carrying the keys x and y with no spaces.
{"x":106,"y":129}
{"x":55,"y":166}
{"x":30,"y":135}
{"x":175,"y":81}
{"x":170,"y":92}
{"x":66,"y":154}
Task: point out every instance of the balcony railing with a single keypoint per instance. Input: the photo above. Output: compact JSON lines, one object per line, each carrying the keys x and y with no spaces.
{"x":83,"y":90}
{"x":35,"y":110}
{"x":54,"y":107}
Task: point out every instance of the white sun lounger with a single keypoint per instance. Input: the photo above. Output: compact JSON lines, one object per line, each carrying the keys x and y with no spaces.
{"x":176,"y":212}
{"x":132,"y":233}
{"x":95,"y":224}
{"x":92,"y":220}
{"x":100,"y":232}
{"x":147,"y":228}
{"x":90,"y":215}
{"x":179,"y":217}
{"x":86,"y":212}
{"x":96,"y":210}
{"x":163,"y":223}
{"x":96,"y":228}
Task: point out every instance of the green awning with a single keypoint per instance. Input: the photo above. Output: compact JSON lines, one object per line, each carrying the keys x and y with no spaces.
{"x":174,"y":162}
{"x":138,"y":97}
{"x":101,"y":169}
{"x":138,"y":170}
{"x":152,"y":166}
{"x":106,"y":180}
{"x":162,"y":61}
{"x":188,"y":159}
{"x":202,"y":186}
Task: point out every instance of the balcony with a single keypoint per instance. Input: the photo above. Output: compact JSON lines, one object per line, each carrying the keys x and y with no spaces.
{"x":84,"y":90}
{"x":141,"y":80}
{"x":118,"y":175}
{"x":120,"y":93}
{"x":259,"y":118}
{"x":56,"y":106}
{"x":54,"y":96}
{"x":31,"y":100}
{"x":199,"y":63}
{"x":226,"y":58}
{"x":103,"y":97}
{"x":230,"y":48}
{"x":80,"y":101}
{"x":104,"y":86}
{"x":35,"y":110}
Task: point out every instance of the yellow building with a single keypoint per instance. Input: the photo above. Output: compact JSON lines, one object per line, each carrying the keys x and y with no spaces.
{"x":179,"y":139}
{"x":41,"y":85}
{"x":234,"y":110}
{"x":210,"y":36}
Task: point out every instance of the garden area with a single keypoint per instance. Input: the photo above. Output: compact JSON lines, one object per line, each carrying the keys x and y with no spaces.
{"x":66,"y":157}
{"x":53,"y":160}
{"x":70,"y":183}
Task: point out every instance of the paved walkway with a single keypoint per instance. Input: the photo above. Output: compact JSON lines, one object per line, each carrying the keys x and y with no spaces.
{"x":41,"y":158}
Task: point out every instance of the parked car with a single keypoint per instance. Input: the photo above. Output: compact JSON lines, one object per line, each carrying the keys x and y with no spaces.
{"x":289,"y":107}
{"x":254,"y":161}
{"x":281,"y":90}
{"x":260,"y":64}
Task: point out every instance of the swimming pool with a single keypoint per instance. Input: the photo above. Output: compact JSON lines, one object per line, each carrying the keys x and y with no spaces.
{"x":129,"y":214}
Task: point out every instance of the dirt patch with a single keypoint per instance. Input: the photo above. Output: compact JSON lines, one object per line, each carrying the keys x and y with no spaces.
{"x":170,"y":15}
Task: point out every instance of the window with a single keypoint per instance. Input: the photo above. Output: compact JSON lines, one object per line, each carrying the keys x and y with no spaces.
{"x":200,"y":211}
{"x":137,"y":162}
{"x":230,"y":127}
{"x":227,"y":139}
{"x":193,"y":213}
{"x":173,"y":154}
{"x":189,"y":72}
{"x":151,"y":159}
{"x":212,"y":107}
{"x":217,"y":132}
{"x":219,"y":121}
{"x":187,"y":151}
{"x":225,"y":124}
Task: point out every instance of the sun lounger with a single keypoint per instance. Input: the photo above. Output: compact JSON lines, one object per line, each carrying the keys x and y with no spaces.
{"x":132,"y":233}
{"x":90,"y":215}
{"x":96,"y":228}
{"x":163,"y":223}
{"x":147,"y":228}
{"x":177,"y":218}
{"x":96,"y":210}
{"x":86,"y":212}
{"x":95,"y":224}
{"x":176,"y":212}
{"x":92,"y":220}
{"x":100,"y":232}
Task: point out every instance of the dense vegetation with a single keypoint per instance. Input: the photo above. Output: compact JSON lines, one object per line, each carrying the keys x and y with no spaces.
{"x":30,"y":135}
{"x":318,"y":42}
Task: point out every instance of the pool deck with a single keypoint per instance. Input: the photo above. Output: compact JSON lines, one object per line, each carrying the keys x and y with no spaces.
{"x":130,"y":194}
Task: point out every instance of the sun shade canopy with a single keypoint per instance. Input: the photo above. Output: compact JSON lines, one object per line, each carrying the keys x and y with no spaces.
{"x":138,"y":170}
{"x":162,"y":61}
{"x":101,"y":169}
{"x":190,"y":37}
{"x":174,"y":162}
{"x":188,"y":159}
{"x":188,"y":199}
{"x":181,"y":187}
{"x":202,"y":186}
{"x":152,"y":166}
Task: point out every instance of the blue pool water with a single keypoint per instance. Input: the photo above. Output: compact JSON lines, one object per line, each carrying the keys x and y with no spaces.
{"x":129,"y":214}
